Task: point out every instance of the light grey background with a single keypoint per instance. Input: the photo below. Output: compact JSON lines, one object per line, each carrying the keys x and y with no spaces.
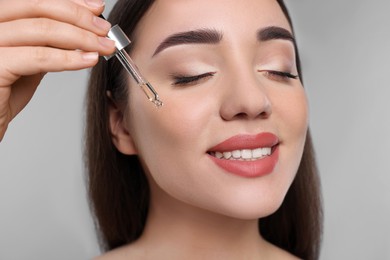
{"x":345,"y":49}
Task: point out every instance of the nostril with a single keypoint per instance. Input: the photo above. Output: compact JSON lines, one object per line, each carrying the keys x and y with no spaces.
{"x":264,"y":114}
{"x":243,"y":115}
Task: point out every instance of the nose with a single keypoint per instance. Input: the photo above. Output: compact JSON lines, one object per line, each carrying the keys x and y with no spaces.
{"x":245,"y":98}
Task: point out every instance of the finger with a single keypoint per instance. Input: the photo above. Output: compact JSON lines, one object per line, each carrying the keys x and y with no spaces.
{"x":95,"y":6}
{"x":40,"y":60}
{"x":46,"y":32}
{"x":61,"y":10}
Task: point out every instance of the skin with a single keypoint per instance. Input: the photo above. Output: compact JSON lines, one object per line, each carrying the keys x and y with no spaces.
{"x":197,"y":209}
{"x":45,"y":36}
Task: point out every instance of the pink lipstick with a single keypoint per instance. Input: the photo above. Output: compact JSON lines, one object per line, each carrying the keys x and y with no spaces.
{"x":247,"y":155}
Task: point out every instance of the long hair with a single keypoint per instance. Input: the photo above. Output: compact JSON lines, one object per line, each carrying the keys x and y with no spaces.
{"x":119,"y":191}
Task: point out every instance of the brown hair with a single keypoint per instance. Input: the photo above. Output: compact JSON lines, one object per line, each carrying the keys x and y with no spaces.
{"x":118,"y":188}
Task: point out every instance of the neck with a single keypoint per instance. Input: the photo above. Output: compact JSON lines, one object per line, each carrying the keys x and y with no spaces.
{"x":178,"y":230}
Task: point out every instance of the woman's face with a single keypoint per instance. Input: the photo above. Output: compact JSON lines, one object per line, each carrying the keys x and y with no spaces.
{"x":213,"y":64}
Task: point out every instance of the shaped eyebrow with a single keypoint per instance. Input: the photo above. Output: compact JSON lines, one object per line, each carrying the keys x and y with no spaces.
{"x":274,"y":33}
{"x":212,"y":36}
{"x":201,"y":36}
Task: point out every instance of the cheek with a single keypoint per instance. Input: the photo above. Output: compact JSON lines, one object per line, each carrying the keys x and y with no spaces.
{"x":292,"y":117}
{"x":291,"y":112}
{"x":176,"y":124}
{"x":166,"y":138}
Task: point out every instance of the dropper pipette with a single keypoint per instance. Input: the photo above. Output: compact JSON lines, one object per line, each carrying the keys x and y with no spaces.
{"x":121,"y":42}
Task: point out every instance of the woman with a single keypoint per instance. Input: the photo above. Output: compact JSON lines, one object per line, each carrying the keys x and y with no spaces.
{"x":225,"y":169}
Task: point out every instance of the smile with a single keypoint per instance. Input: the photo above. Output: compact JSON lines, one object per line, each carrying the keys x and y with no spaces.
{"x":247,"y":155}
{"x":244,"y":154}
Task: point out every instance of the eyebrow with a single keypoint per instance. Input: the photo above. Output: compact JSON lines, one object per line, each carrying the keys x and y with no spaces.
{"x":201,"y":36}
{"x":275,"y":33}
{"x":212,"y":36}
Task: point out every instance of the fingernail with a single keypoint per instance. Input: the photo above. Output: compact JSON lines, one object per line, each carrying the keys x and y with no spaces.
{"x":90,"y":56}
{"x":105,"y":42}
{"x":95,"y":3}
{"x":101,"y":23}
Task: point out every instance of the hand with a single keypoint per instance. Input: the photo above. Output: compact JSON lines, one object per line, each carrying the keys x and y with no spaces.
{"x":40,"y":36}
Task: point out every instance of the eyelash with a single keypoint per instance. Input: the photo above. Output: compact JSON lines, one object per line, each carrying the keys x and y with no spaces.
{"x":191,"y":80}
{"x":279,"y":75}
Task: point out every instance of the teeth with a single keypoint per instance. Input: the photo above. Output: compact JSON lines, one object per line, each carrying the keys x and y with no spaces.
{"x":257,"y":153}
{"x":245,"y":154}
{"x":261,"y":152}
{"x":236,"y":154}
{"x":227,"y":155}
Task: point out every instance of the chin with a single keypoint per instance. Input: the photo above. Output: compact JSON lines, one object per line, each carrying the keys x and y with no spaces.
{"x":261,"y":211}
{"x":249,"y":209}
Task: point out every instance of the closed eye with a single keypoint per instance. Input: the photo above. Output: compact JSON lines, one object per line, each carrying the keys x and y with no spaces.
{"x":279,"y":75}
{"x":184,"y":80}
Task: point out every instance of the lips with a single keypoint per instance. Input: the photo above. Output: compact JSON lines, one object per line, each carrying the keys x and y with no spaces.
{"x":247,"y":155}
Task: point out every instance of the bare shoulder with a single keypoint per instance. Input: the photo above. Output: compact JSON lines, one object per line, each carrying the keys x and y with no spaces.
{"x":125,"y":252}
{"x":135,"y":251}
{"x":277,"y":253}
{"x":284,"y":255}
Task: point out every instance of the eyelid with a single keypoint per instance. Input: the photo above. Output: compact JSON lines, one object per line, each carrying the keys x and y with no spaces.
{"x":277,"y":62}
{"x":181,"y":79}
{"x":279,"y":75}
{"x":283,"y":73}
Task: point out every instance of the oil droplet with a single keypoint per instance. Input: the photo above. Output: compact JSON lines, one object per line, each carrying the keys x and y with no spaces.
{"x":158,"y":103}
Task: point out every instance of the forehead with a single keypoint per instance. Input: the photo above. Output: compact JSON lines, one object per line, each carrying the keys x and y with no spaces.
{"x":232,"y":17}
